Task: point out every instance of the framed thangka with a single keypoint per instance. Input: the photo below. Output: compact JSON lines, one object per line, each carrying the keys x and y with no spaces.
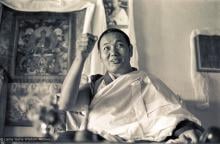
{"x":41,"y":50}
{"x":116,"y":14}
{"x":42,"y":47}
{"x":207,"y":53}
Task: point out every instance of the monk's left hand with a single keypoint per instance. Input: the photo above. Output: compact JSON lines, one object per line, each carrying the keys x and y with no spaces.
{"x":186,"y":137}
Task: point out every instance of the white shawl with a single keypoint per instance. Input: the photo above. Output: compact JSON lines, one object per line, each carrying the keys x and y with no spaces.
{"x":136,"y":106}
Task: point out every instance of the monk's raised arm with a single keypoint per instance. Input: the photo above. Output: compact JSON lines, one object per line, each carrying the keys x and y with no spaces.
{"x":70,"y":88}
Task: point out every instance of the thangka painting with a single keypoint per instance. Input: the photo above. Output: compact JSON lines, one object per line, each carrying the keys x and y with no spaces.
{"x":41,"y":46}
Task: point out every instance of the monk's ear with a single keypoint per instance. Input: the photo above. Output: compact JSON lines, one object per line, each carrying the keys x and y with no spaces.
{"x":131,"y":50}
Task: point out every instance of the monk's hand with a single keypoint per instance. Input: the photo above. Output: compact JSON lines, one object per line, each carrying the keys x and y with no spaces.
{"x":85,"y":44}
{"x":186,"y":137}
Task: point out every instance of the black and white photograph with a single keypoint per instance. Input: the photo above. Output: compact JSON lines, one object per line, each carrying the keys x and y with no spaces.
{"x":110,"y":71}
{"x":116,"y":13}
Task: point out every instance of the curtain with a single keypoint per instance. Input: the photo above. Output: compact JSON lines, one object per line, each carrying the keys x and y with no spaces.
{"x":0,"y":12}
{"x":200,"y":80}
{"x":3,"y":99}
{"x":47,"y":5}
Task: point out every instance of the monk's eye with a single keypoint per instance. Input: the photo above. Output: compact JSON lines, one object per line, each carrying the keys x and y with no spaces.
{"x":106,"y":48}
{"x":119,"y":45}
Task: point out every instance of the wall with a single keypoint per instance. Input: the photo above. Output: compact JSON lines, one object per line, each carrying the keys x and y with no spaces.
{"x":163,"y":34}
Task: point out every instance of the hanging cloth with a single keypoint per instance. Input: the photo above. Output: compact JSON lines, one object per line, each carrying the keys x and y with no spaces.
{"x":200,"y":80}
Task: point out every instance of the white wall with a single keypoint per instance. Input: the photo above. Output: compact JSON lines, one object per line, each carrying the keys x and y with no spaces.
{"x":163,"y":30}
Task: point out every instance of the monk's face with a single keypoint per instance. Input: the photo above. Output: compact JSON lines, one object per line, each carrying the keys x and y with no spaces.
{"x":115,"y":53}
